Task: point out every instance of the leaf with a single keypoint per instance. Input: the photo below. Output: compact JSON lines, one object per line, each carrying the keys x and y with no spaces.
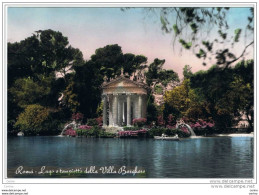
{"x":223,"y":35}
{"x":164,"y":24}
{"x":208,"y":45}
{"x":237,"y":34}
{"x":194,"y":27}
{"x":185,"y":45}
{"x":176,"y":29}
{"x":201,"y":54}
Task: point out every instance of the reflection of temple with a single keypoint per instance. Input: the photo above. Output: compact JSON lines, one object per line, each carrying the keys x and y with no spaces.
{"x":123,"y":100}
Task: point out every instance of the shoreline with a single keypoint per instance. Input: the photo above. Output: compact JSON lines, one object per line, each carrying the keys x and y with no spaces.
{"x":192,"y":137}
{"x":236,"y":135}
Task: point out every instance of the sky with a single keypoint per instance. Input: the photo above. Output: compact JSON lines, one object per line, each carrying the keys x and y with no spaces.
{"x":136,"y":32}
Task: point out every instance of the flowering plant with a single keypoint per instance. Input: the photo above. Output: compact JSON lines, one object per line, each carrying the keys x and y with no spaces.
{"x":170,"y":120}
{"x":70,"y":132}
{"x":160,"y":120}
{"x":84,"y":127}
{"x":139,"y":122}
{"x":77,"y":116}
{"x":201,"y":124}
{"x":171,"y":126}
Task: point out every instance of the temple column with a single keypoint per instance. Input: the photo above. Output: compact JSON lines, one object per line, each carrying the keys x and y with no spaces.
{"x":115,"y":110}
{"x":110,"y":110}
{"x":140,"y":106}
{"x":104,"y":110}
{"x":119,"y":112}
{"x":128,"y":111}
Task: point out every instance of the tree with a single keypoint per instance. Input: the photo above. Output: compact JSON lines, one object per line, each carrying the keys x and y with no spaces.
{"x":109,"y":60}
{"x":41,"y":54}
{"x":33,"y":64}
{"x":157,"y":74}
{"x":83,"y":94}
{"x":31,"y":120}
{"x":133,"y":63}
{"x":187,"y":73}
{"x":227,"y":93}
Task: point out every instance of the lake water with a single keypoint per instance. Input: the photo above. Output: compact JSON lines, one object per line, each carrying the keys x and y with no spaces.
{"x":218,"y":157}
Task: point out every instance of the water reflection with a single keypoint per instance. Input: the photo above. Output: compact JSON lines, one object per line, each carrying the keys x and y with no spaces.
{"x":223,"y":157}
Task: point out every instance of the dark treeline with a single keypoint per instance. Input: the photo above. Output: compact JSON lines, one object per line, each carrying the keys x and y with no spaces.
{"x":48,"y":81}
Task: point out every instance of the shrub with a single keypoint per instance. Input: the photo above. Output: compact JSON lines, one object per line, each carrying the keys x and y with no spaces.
{"x":160,"y":121}
{"x":92,"y":122}
{"x":85,"y":127}
{"x":202,"y":127}
{"x":78,"y":117}
{"x":88,"y":131}
{"x":104,"y":134}
{"x":139,"y":122}
{"x":70,"y":132}
{"x":32,"y":119}
{"x":156,"y":131}
{"x":131,"y":128}
{"x":171,"y":120}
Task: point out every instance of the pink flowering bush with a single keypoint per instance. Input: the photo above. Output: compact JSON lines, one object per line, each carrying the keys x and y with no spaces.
{"x":160,"y":121}
{"x":70,"y":132}
{"x":202,"y":126}
{"x":185,"y":130}
{"x":170,"y":120}
{"x":171,"y":126}
{"x":77,"y":116}
{"x":84,"y":127}
{"x":139,"y":122}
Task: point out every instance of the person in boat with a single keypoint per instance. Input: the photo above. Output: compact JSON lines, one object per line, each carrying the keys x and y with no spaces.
{"x":164,"y":135}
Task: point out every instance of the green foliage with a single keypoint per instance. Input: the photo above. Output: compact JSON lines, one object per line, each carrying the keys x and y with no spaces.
{"x":237,"y":34}
{"x":31,"y":120}
{"x":25,"y":91}
{"x":94,"y":132}
{"x":32,"y":67}
{"x":222,"y":35}
{"x":201,"y":54}
{"x":183,"y":101}
{"x":208,"y":45}
{"x":156,"y":73}
{"x":194,"y":27}
{"x":176,"y":29}
{"x":185,"y":44}
{"x":92,"y":122}
{"x":188,"y":23}
{"x":70,"y":98}
{"x":152,"y":111}
{"x":226,"y":93}
{"x":135,"y":128}
{"x":99,"y":110}
{"x":133,"y":63}
{"x":109,"y":60}
{"x":159,"y":89}
{"x":187,"y":73}
{"x":178,"y":98}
